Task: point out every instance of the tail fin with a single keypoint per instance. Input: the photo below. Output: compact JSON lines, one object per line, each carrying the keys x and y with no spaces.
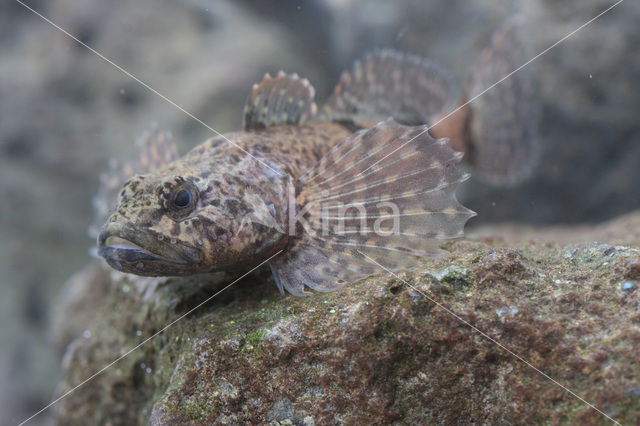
{"x":385,"y":194}
{"x":497,"y":128}
{"x":386,"y":83}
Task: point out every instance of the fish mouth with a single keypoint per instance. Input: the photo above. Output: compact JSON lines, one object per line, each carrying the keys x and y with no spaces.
{"x":128,"y":249}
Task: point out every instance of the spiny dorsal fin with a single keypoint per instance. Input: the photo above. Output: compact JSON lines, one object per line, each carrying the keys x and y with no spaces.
{"x":409,"y":88}
{"x":156,"y":149}
{"x":283,"y":99}
{"x":385,"y":193}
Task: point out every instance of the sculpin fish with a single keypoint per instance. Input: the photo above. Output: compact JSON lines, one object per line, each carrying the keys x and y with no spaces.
{"x":330,"y":191}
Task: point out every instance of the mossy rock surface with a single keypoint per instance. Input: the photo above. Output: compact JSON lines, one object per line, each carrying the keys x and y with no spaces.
{"x":385,"y":350}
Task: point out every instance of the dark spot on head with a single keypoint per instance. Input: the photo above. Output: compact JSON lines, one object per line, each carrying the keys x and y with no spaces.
{"x":258,"y":228}
{"x":233,"y":206}
{"x":212,"y":235}
{"x":215,"y":202}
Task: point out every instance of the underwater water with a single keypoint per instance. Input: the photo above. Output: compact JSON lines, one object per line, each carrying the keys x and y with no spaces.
{"x":65,"y":111}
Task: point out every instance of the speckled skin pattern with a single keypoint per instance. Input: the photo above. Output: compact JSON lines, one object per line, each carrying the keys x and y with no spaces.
{"x":384,"y":193}
{"x":234,"y":200}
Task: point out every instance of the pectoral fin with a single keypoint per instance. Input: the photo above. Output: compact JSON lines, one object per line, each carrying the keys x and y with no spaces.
{"x":387,"y":194}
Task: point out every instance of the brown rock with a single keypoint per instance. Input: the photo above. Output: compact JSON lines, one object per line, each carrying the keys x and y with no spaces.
{"x":632,"y":269}
{"x":384,"y":350}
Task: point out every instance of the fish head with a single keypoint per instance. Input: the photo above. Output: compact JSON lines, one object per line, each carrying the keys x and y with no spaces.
{"x":151,"y":231}
{"x":178,"y":221}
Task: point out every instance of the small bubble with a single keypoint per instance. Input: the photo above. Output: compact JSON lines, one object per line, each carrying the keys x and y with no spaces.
{"x":590,"y":76}
{"x":173,"y":241}
{"x":493,"y":204}
{"x":122,"y":91}
{"x":138,"y":332}
{"x":148,"y":370}
{"x":139,"y":265}
{"x":199,"y":242}
{"x":125,"y":288}
{"x":143,"y":365}
{"x":160,"y":237}
{"x":86,"y":334}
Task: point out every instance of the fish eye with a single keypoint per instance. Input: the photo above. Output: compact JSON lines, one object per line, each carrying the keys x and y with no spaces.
{"x":183,"y":198}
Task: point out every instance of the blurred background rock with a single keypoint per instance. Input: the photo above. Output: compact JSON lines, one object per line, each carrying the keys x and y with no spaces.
{"x":64,"y":112}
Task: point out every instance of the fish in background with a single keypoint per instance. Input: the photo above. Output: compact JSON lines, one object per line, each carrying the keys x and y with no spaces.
{"x":497,"y":131}
{"x":328,"y":196}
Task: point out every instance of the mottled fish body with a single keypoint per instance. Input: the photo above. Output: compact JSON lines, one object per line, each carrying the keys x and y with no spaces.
{"x":238,"y":205}
{"x":333,"y":193}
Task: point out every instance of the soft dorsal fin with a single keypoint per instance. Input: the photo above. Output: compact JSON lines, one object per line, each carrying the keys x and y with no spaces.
{"x":283,"y":99}
{"x":409,"y":88}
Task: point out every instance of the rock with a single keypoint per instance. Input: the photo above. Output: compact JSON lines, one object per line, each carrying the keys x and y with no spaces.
{"x":380,"y":351}
{"x":632,"y":269}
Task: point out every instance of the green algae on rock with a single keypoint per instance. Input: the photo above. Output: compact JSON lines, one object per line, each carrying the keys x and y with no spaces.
{"x":375,"y":352}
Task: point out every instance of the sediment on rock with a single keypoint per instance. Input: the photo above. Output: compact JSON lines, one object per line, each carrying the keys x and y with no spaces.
{"x":380,"y":351}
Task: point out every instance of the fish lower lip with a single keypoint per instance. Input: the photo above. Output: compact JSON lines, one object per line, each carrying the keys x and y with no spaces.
{"x":125,"y":254}
{"x":129,"y":255}
{"x":128,"y":252}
